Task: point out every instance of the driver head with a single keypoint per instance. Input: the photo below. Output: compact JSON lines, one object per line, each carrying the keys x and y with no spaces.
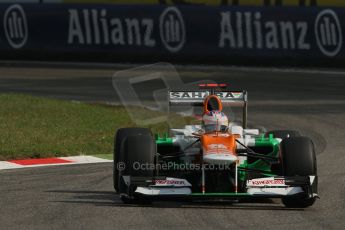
{"x":215,"y":121}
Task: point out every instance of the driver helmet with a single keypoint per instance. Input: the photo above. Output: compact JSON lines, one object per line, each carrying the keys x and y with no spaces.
{"x":215,"y":121}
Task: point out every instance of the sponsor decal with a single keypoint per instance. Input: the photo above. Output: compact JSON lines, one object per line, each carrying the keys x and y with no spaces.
{"x":16,"y":26}
{"x":266,"y":182}
{"x":169,"y":182}
{"x":184,"y":95}
{"x":97,"y":27}
{"x":202,"y":95}
{"x":172,"y":29}
{"x":249,"y":30}
{"x":229,"y":95}
{"x":172,"y":182}
{"x":94,"y":27}
{"x":219,"y":147}
{"x":328,"y":33}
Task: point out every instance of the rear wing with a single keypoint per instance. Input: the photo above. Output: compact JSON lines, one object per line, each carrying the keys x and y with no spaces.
{"x":197,"y":98}
{"x":230,"y":98}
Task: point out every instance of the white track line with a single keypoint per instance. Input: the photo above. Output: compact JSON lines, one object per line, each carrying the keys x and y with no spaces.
{"x":9,"y":165}
{"x":74,"y":161}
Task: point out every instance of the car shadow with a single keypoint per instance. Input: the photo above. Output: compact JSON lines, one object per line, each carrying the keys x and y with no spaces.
{"x":111,"y":199}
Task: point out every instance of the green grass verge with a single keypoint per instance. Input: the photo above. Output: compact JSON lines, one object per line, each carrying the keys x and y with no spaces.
{"x":105,"y":156}
{"x":35,"y":127}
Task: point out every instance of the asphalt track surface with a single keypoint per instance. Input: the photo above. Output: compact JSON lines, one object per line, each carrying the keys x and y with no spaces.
{"x":82,"y":196}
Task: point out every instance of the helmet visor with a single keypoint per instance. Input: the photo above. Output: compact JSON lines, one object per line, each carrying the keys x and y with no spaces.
{"x":214,"y":128}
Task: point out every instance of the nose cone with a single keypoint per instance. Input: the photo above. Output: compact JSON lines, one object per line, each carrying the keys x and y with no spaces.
{"x":220,"y":158}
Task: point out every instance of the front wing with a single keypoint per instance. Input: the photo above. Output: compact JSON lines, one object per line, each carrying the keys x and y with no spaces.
{"x":272,"y":187}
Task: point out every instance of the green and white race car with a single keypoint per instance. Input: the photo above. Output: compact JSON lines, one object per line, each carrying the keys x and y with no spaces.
{"x":215,"y":159}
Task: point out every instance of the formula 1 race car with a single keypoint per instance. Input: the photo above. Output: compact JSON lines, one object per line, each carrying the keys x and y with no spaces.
{"x":216,"y":159}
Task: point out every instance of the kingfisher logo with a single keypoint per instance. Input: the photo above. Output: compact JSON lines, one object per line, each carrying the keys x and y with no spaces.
{"x":263,"y":182}
{"x":328,"y":33}
{"x":16,"y":27}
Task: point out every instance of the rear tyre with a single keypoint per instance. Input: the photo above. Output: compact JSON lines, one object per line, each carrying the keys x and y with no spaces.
{"x":282,"y":134}
{"x":299,"y":159}
{"x":119,"y":153}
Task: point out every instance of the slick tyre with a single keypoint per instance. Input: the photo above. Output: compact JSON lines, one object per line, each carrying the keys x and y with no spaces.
{"x":119,"y":153}
{"x":282,"y":134}
{"x":299,"y":159}
{"x":139,"y":159}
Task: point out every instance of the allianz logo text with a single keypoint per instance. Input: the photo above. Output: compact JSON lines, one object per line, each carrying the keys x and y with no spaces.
{"x":16,"y":27}
{"x":249,"y":30}
{"x":96,"y":27}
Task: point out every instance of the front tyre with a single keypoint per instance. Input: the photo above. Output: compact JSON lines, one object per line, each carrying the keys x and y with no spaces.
{"x":119,"y":151}
{"x":138,"y":161}
{"x":282,"y":134}
{"x":299,"y":159}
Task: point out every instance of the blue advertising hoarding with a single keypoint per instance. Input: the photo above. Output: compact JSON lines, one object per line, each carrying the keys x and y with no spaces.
{"x":154,"y":33}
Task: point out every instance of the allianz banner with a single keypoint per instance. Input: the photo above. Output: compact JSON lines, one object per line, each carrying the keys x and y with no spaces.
{"x":155,"y":33}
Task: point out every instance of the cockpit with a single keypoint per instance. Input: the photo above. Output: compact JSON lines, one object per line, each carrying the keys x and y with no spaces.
{"x":214,"y":120}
